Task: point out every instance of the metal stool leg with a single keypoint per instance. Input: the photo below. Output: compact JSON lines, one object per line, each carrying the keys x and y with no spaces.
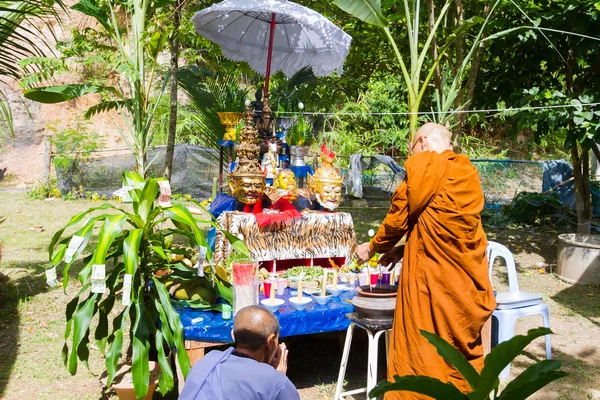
{"x":344,"y":364}
{"x":387,"y":345}
{"x":547,"y":325}
{"x":373,"y":357}
{"x":372,"y":362}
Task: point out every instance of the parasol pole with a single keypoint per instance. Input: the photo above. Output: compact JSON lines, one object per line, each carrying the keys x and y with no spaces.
{"x":270,"y":52}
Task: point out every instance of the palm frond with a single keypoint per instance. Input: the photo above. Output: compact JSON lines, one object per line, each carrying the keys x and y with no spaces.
{"x":204,"y":106}
{"x":21,"y":36}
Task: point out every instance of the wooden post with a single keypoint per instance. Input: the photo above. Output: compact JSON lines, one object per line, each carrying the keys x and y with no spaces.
{"x":220,"y":167}
{"x":47,"y":161}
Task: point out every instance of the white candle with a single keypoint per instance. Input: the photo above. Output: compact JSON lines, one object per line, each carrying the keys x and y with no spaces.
{"x":324,"y":283}
{"x":272,"y":294}
{"x":311,"y":261}
{"x":300,"y":289}
{"x":274,"y":267}
{"x":335,"y":279}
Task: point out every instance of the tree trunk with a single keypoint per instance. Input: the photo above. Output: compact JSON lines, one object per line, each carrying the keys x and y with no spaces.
{"x":460,"y":56}
{"x":581,"y":175}
{"x":475,"y":64}
{"x":463,"y":99}
{"x":437,"y":75}
{"x":173,"y":101}
{"x":47,"y":162}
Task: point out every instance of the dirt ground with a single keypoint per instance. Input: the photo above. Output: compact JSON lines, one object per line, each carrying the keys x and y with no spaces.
{"x":32,"y":316}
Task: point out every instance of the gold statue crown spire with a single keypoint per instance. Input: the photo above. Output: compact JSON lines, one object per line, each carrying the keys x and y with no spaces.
{"x":248,"y":151}
{"x":326,"y":174}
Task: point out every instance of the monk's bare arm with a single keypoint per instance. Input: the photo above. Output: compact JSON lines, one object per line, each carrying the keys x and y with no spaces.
{"x":395,"y":224}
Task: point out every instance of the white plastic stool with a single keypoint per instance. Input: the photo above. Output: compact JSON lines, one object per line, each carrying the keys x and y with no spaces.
{"x":374,"y":336}
{"x":513,"y":304}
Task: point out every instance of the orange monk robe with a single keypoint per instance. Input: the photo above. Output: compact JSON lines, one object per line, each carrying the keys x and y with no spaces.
{"x":444,"y":286}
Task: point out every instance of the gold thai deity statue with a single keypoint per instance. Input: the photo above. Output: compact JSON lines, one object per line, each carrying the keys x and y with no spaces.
{"x":247,"y":181}
{"x":286,"y":180}
{"x":266,"y":123}
{"x":326,"y":184}
{"x":285,"y":186}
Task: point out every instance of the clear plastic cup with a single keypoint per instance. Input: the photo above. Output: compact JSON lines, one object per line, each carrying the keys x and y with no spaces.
{"x":281,"y":285}
{"x":362,"y":278}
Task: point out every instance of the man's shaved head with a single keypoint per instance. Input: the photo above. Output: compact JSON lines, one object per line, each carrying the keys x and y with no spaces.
{"x":252,"y":327}
{"x":431,"y":137}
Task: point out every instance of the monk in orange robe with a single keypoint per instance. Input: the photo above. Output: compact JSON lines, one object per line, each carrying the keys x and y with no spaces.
{"x":444,"y":286}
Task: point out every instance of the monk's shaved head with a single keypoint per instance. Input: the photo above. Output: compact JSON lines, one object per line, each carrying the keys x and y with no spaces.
{"x":252,"y":327}
{"x":432,"y":137}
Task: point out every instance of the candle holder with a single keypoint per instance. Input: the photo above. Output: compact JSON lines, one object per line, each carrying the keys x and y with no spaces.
{"x":320,"y":299}
{"x":300,"y":304}
{"x":245,"y":284}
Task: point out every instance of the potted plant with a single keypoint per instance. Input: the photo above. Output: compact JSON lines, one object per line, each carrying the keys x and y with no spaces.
{"x":484,"y":384}
{"x":299,"y":138}
{"x":230,"y":100}
{"x":121,"y":276}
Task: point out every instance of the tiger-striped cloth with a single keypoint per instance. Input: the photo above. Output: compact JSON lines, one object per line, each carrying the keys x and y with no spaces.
{"x":317,"y":234}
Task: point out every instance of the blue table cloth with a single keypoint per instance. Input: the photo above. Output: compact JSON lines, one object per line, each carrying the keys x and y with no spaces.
{"x":226,"y":143}
{"x":209,"y":326}
{"x":301,"y":171}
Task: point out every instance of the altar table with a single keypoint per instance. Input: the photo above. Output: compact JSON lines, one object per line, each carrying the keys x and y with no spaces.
{"x":202,"y":329}
{"x":319,"y":235}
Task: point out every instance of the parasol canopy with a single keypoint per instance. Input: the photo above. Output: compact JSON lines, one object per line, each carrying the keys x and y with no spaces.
{"x":274,"y":35}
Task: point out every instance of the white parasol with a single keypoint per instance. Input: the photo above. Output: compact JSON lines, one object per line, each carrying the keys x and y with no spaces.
{"x":273,"y":35}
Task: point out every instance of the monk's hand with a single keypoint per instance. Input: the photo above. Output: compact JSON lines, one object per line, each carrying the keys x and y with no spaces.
{"x":363,"y":253}
{"x":279,"y":361}
{"x":392,"y":257}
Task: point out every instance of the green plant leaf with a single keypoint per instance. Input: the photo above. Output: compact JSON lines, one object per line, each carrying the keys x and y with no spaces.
{"x":133,"y":179}
{"x":146,"y":200}
{"x":181,"y":214}
{"x":81,"y":323}
{"x":157,"y":42}
{"x":532,"y":379}
{"x":85,"y":232}
{"x":101,"y":333}
{"x":111,"y":228}
{"x":165,"y":328}
{"x":140,"y":369}
{"x":237,"y":244}
{"x":455,"y":358}
{"x":74,"y":220}
{"x":368,"y":11}
{"x":105,"y":106}
{"x":165,"y":381}
{"x":62,"y":93}
{"x":420,"y":384}
{"x":503,"y":354}
{"x":131,"y":249}
{"x":89,"y":7}
{"x":115,"y":345}
{"x":175,"y":325}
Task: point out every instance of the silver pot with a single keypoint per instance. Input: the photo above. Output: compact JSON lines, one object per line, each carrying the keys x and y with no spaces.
{"x":378,"y":304}
{"x":297,"y":154}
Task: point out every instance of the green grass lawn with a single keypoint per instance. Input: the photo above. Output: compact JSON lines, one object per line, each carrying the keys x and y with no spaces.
{"x":32,"y":314}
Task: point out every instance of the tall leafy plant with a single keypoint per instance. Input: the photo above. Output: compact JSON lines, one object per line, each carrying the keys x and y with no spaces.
{"x":138,"y":50}
{"x":131,"y":247}
{"x":484,"y":384}
{"x":370,"y":12}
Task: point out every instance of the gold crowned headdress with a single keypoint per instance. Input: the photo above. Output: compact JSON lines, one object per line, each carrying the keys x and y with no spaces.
{"x":326,"y":174}
{"x":248,"y":152}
